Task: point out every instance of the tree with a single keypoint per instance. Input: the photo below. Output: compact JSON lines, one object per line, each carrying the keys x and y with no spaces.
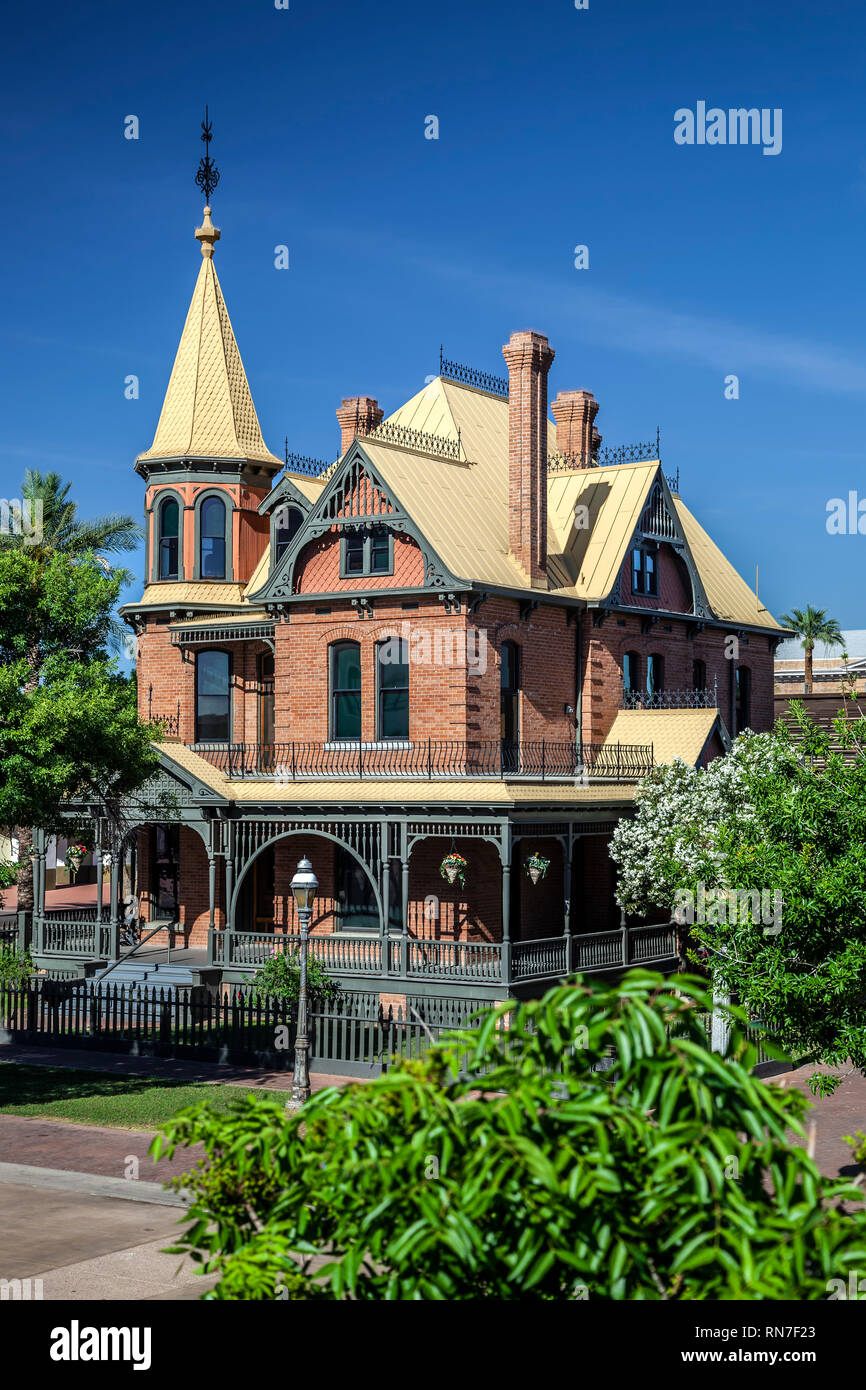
{"x":56,"y":529}
{"x":69,"y":727}
{"x":813,"y":626}
{"x":505,"y":1166}
{"x":763,"y":855}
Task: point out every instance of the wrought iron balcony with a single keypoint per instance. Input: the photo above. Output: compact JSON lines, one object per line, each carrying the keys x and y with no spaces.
{"x":671,"y":699}
{"x":428,"y":759}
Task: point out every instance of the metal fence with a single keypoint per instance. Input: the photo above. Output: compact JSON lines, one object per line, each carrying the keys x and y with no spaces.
{"x":542,"y":760}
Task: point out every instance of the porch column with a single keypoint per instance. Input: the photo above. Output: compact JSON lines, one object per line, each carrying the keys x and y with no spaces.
{"x":211,"y":892}
{"x":114,"y":908}
{"x":404,"y":864}
{"x":506,"y":850}
{"x":230,"y":887}
{"x":385,"y":887}
{"x":99,"y":871}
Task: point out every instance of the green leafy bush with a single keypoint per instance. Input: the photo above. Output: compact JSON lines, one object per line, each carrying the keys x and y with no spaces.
{"x":505,"y":1166}
{"x":280,"y":978}
{"x":16,"y":967}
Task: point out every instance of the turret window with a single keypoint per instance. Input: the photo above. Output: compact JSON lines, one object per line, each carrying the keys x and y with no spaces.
{"x":212,"y":539}
{"x":169,"y":527}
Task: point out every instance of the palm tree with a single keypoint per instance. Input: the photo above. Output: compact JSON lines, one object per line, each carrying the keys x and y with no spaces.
{"x":813,"y":626}
{"x":59,"y":530}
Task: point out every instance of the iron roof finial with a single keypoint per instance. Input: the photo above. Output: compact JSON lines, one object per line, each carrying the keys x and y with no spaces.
{"x":208,"y":175}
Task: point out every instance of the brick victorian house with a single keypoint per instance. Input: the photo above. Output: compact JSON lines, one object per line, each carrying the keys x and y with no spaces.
{"x":476,"y":630}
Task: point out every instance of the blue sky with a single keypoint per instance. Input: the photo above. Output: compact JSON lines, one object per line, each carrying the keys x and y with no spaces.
{"x":555,"y":129}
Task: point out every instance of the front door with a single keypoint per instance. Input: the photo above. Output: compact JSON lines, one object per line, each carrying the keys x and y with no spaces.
{"x":165,"y":862}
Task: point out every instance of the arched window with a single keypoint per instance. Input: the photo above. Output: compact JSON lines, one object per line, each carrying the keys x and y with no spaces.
{"x":743,"y":698}
{"x":213,"y":715}
{"x":169,"y":527}
{"x":287,"y":524}
{"x":212,"y":539}
{"x":345,"y":683}
{"x":509,"y":693}
{"x":655,"y":674}
{"x":392,"y":688}
{"x":631,"y":671}
{"x":699,"y":675}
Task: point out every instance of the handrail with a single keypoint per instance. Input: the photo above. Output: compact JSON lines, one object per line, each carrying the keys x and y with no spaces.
{"x":169,"y":923}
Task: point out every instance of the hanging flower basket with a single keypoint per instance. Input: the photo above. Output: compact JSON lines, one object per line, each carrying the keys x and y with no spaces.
{"x":74,"y":856}
{"x":536,"y":866}
{"x":453,"y":867}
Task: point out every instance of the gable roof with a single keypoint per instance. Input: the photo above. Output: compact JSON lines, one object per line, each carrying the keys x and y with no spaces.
{"x":730,"y":596}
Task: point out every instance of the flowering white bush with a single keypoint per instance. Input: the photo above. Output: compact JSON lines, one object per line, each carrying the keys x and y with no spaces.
{"x":683,"y":820}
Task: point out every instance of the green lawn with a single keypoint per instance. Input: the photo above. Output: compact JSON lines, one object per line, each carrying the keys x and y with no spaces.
{"x":101,"y":1098}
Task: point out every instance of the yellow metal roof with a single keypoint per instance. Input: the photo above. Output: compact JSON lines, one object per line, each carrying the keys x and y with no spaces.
{"x":395,"y":791}
{"x":587,"y":560}
{"x":176,"y":595}
{"x":730,"y":596}
{"x":208,"y":409}
{"x":673,"y":733}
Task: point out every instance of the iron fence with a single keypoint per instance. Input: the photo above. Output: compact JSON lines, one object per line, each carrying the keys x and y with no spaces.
{"x":687,"y":698}
{"x":428,"y":759}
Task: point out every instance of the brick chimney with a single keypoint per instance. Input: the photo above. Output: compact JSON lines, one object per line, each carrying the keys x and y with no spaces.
{"x":357,"y":415}
{"x":576,"y":435}
{"x":528,"y":356}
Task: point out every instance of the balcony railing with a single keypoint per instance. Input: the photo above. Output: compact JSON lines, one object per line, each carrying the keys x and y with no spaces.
{"x":671,"y":699}
{"x":475,"y":962}
{"x":429,"y":759}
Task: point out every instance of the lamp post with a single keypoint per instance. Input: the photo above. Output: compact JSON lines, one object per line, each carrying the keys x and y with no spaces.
{"x":304,"y":886}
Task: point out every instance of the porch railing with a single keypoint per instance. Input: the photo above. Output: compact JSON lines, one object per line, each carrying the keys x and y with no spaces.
{"x":487,"y":962}
{"x":542,"y":760}
{"x":58,"y":935}
{"x":689,"y":698}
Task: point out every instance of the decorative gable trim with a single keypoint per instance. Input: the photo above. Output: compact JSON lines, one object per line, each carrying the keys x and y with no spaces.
{"x":659,"y":522}
{"x":355,"y":498}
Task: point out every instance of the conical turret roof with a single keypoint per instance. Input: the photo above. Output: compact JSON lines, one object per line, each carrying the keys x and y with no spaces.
{"x":208,"y":411}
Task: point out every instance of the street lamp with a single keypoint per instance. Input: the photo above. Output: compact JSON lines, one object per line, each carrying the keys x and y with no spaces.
{"x":304,"y":886}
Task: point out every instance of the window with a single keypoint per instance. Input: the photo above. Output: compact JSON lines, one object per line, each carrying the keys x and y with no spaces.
{"x":287,"y":524}
{"x":213,"y":697}
{"x":169,"y":526}
{"x":631,"y":671}
{"x":164,"y":863}
{"x":265,"y":674}
{"x":655,"y":674}
{"x":699,"y":675}
{"x":392,"y":715}
{"x":353,"y":554}
{"x":743,"y":698}
{"x":509,"y":693}
{"x":212,"y":538}
{"x":345,"y":678}
{"x":367,"y":552}
{"x":644,"y":570}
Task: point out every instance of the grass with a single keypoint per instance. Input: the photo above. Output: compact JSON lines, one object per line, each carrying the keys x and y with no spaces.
{"x":102,"y":1098}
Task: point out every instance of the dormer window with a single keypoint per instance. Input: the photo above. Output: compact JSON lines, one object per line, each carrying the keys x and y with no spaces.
{"x":287,"y":524}
{"x":644,"y":570}
{"x":366,"y":552}
{"x":169,"y":527}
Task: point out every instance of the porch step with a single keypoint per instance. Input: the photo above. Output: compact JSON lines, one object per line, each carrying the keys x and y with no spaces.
{"x":149,"y":974}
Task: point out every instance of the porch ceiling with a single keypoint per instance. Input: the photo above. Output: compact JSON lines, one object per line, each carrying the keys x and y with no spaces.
{"x":396,"y":791}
